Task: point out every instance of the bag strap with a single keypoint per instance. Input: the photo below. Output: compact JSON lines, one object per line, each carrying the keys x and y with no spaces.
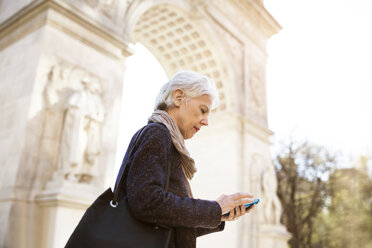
{"x":114,"y":201}
{"x":124,"y":166}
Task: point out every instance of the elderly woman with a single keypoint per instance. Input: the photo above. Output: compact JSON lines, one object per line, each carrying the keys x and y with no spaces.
{"x":181,"y":110}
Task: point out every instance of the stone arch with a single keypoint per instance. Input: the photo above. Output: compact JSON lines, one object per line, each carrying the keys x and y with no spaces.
{"x":179,"y":40}
{"x":225,"y":39}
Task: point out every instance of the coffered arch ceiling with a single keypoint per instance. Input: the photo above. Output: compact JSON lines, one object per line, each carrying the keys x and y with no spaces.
{"x":179,"y":42}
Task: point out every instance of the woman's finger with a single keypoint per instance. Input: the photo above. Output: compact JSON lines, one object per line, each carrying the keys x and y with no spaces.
{"x":243,"y":210}
{"x":238,"y":213}
{"x":231,"y":215}
{"x":235,"y":213}
{"x":240,"y":202}
{"x":240,"y":195}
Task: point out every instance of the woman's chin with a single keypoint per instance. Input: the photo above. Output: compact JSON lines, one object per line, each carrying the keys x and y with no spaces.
{"x":189,"y":136}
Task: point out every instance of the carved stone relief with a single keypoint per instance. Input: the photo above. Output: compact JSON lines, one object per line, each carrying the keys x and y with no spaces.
{"x":264,"y":184}
{"x":242,"y":17}
{"x":255,"y":172}
{"x":79,"y":146}
{"x":256,"y":84}
{"x":196,"y":8}
{"x":234,"y":52}
{"x":107,"y":7}
{"x":75,"y":110}
{"x":236,"y":55}
{"x":272,"y":205}
{"x":239,"y":19}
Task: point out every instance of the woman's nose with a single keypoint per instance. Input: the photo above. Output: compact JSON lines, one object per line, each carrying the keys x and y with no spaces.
{"x":204,"y":121}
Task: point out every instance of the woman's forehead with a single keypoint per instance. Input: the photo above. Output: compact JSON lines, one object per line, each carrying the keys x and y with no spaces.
{"x":204,"y":99}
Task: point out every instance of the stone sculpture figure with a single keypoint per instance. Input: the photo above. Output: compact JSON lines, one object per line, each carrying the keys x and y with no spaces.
{"x":272,"y":205}
{"x":80,"y":142}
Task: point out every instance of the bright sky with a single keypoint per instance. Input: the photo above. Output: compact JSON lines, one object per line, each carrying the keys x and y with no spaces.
{"x":143,"y":78}
{"x":319,"y":73}
{"x":319,"y":76}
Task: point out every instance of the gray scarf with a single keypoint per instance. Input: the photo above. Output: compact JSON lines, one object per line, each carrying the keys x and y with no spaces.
{"x":188,"y":164}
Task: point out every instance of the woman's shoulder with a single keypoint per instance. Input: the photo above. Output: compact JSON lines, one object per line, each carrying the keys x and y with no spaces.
{"x":152,"y":136}
{"x":156,"y":131}
{"x":154,"y":128}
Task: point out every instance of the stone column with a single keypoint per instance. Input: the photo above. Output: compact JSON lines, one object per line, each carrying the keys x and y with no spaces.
{"x":61,"y":70}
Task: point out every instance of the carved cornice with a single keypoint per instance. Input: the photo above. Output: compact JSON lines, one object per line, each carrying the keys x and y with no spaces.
{"x":66,"y":18}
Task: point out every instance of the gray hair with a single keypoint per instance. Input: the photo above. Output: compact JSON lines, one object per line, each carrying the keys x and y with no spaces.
{"x":191,"y":83}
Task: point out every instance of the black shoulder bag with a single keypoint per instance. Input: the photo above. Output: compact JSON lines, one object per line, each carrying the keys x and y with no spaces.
{"x":108,"y":222}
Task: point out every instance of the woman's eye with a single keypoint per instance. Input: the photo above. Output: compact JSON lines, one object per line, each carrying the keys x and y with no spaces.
{"x":203,"y":111}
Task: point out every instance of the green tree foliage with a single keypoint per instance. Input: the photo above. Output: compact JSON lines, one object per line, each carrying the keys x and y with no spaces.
{"x":324,"y":207}
{"x":347,"y":220}
{"x":302,"y":173}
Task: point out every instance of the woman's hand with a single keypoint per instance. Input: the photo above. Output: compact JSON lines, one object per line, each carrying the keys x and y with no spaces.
{"x":238,"y":213}
{"x":230,"y":202}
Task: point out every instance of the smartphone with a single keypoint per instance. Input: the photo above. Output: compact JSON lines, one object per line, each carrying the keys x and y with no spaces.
{"x":247,"y":206}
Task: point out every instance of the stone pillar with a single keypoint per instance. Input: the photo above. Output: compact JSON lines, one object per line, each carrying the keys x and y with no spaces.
{"x":60,"y":211}
{"x":61,"y":81}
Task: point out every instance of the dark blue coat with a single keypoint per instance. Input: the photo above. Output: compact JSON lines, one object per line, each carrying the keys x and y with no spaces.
{"x":148,"y":200}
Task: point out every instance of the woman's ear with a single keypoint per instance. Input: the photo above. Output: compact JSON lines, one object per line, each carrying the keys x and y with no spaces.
{"x":178,"y":96}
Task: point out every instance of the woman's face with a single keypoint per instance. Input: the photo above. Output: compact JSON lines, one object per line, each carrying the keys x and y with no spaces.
{"x":191,"y":114}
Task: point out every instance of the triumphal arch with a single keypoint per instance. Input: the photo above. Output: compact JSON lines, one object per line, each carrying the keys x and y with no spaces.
{"x":62,"y":64}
